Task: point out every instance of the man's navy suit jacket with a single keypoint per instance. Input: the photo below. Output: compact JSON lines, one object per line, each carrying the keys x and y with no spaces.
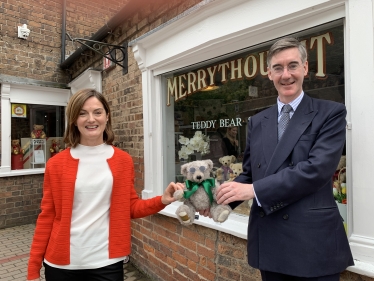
{"x":298,"y":229}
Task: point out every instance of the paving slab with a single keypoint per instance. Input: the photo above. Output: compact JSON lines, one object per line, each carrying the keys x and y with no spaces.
{"x":14,"y":254}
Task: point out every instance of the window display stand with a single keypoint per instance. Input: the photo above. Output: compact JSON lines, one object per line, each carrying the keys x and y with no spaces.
{"x":17,"y":161}
{"x":38,"y":150}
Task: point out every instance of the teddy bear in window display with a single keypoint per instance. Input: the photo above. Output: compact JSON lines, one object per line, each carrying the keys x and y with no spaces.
{"x":38,"y":132}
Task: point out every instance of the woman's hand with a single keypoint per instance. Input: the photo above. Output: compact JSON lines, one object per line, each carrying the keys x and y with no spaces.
{"x":167,"y":197}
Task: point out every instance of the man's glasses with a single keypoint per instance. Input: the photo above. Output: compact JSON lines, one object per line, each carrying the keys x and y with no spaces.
{"x":291,"y":68}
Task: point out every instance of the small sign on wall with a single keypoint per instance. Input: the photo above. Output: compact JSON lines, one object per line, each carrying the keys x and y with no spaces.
{"x":39,"y":156}
{"x":107,"y":63}
{"x":253,"y":91}
{"x":19,"y":110}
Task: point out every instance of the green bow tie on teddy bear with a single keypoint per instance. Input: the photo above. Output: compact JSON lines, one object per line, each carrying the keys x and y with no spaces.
{"x":208,"y":184}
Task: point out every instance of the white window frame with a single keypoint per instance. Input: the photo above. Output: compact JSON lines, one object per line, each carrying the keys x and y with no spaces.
{"x":221,"y":27}
{"x":24,"y":94}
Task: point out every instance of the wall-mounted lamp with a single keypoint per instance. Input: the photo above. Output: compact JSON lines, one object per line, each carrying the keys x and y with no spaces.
{"x":23,"y":31}
{"x":210,"y":88}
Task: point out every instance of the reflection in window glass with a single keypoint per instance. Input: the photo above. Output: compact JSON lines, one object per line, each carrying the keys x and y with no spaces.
{"x":217,"y":99}
{"x":36,"y":133}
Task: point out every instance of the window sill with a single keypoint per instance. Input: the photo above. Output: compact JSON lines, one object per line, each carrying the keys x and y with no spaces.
{"x":363,"y":268}
{"x":235,"y":225}
{"x":22,"y":172}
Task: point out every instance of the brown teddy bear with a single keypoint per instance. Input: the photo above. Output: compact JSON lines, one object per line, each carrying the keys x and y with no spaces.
{"x":340,"y":173}
{"x":16,"y":148}
{"x":55,"y":147}
{"x":236,"y":169}
{"x":342,"y":163}
{"x":38,"y":132}
{"x":199,"y":193}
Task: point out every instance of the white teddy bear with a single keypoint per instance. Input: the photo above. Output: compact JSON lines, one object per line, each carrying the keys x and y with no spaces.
{"x":223,"y":173}
{"x":199,"y":193}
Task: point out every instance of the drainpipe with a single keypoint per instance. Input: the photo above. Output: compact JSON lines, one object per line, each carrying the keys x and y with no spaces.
{"x":63,"y":32}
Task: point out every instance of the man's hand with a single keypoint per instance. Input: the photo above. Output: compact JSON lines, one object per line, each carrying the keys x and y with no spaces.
{"x":234,"y":191}
{"x":167,"y":197}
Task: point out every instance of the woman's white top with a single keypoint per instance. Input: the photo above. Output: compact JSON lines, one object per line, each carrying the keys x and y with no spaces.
{"x":89,"y":233}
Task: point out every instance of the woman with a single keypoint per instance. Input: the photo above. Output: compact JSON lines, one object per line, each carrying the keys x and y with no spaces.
{"x":231,"y":143}
{"x":83,"y":231}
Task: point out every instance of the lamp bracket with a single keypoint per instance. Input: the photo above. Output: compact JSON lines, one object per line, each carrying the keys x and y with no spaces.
{"x":114,"y":53}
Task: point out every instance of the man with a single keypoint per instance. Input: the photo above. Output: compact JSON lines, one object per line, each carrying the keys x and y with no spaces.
{"x":295,"y":231}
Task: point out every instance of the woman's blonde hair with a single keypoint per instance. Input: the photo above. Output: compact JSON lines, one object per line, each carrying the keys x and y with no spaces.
{"x":72,"y":134}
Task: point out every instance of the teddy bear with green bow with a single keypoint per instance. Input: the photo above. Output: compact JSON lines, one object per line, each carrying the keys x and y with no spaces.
{"x":199,"y":193}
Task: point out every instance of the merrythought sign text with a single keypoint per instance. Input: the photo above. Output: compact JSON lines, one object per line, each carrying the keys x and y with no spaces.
{"x":241,"y":68}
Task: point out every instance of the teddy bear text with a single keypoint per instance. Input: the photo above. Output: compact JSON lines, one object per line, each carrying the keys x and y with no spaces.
{"x":236,"y":122}
{"x":199,"y":193}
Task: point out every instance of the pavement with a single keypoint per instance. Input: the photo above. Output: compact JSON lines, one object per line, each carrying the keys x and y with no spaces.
{"x":14,"y":254}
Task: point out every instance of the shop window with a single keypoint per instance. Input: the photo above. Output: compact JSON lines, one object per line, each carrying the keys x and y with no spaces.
{"x":36,"y":134}
{"x":213,"y":102}
{"x":32,"y":126}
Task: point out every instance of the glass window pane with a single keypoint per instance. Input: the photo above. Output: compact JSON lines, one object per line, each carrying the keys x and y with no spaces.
{"x":36,"y":133}
{"x":217,"y":99}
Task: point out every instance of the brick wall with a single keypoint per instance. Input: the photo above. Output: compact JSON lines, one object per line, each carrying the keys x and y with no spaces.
{"x":85,"y":17}
{"x":39,"y":55}
{"x":20,"y":199}
{"x":167,"y":251}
